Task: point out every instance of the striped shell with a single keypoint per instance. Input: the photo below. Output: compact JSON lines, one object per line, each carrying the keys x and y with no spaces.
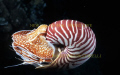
{"x":78,"y":39}
{"x":64,"y":44}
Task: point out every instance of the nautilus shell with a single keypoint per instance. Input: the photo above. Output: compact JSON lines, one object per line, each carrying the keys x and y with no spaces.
{"x":64,"y":44}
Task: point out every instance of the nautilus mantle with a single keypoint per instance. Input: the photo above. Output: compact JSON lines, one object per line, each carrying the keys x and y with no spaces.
{"x":64,"y":44}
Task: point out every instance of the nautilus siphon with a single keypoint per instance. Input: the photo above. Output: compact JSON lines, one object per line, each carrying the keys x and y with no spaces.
{"x":64,"y":44}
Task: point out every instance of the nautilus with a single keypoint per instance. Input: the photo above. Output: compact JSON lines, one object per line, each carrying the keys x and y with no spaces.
{"x":64,"y":44}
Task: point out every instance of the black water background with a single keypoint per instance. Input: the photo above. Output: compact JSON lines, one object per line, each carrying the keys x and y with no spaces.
{"x":88,"y":11}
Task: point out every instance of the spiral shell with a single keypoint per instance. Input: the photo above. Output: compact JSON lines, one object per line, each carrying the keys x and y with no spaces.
{"x":78,"y":39}
{"x":64,"y":44}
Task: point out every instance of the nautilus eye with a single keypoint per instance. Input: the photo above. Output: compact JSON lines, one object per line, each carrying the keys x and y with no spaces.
{"x":64,"y":44}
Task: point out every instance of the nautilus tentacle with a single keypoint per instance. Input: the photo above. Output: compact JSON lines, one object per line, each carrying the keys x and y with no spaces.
{"x":64,"y":44}
{"x":32,"y":46}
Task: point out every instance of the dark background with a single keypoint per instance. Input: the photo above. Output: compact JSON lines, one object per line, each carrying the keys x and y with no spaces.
{"x":17,"y":15}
